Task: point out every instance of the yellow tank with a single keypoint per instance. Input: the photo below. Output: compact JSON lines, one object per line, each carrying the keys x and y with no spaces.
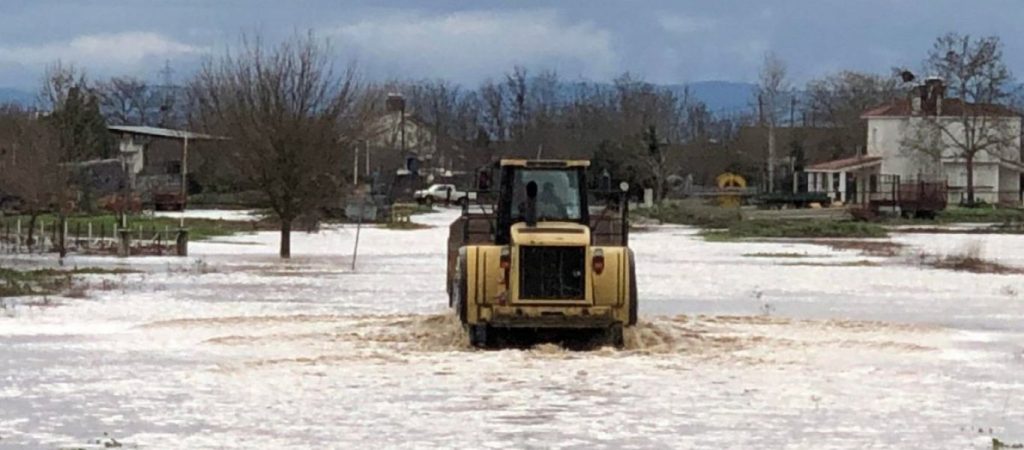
{"x":730,"y":186}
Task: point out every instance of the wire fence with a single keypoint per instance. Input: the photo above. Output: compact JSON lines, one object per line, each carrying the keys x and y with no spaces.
{"x":21,"y":236}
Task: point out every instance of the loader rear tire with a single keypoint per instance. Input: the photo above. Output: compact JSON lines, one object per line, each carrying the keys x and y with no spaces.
{"x":633,"y":301}
{"x":462,"y":291}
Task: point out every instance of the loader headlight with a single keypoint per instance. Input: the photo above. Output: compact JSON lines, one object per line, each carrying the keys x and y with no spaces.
{"x":506,"y":258}
{"x":598,"y":262}
{"x":505,"y":262}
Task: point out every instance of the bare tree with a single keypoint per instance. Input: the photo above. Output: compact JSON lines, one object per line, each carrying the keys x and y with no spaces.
{"x":977,"y":119}
{"x":495,"y":115}
{"x":839,"y":99}
{"x":650,"y":119}
{"x":74,"y":113}
{"x":517,"y":88}
{"x":772,"y":89}
{"x":543,"y":131}
{"x":81,"y":131}
{"x":436,"y":102}
{"x":289,"y":116}
{"x":131,"y":101}
{"x":31,"y":169}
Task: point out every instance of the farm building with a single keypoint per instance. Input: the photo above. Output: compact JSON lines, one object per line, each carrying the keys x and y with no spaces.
{"x":159,"y":160}
{"x":902,"y":145}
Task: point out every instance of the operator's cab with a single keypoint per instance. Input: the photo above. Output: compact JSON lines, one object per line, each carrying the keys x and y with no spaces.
{"x":532,"y":192}
{"x":538,"y":262}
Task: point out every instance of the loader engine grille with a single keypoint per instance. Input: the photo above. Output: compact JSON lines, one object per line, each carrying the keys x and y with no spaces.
{"x":552,"y":273}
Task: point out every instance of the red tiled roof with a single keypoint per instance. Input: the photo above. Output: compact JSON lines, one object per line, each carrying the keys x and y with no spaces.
{"x":846,"y":163}
{"x":950,"y":107}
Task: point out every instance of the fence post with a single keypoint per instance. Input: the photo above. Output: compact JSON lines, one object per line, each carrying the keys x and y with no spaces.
{"x":124,"y":247}
{"x":64,"y":236}
{"x":181,"y":242}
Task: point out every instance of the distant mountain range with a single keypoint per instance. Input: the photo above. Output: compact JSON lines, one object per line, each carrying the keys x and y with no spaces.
{"x":10,"y":95}
{"x":721,"y":97}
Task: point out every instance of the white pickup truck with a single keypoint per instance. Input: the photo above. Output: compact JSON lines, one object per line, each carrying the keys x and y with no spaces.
{"x":440,"y":193}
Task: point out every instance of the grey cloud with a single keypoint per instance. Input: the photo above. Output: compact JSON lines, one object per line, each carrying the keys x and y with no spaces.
{"x":661,"y":40}
{"x":468,"y":46}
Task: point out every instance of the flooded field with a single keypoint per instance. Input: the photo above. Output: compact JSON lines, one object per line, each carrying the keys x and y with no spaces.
{"x":737,"y":348}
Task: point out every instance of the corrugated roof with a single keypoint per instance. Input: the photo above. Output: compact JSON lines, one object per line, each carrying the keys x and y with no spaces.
{"x":845,"y":164}
{"x":161,"y":132}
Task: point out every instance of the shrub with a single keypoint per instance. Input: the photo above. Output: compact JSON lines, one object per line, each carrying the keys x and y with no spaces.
{"x":797,"y":229}
{"x":694,"y":212}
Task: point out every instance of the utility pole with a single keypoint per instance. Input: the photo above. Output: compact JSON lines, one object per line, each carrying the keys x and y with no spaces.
{"x":770,"y":185}
{"x":402,"y":125}
{"x":166,"y":109}
{"x":760,"y":109}
{"x":771,"y":156}
{"x":184,"y":179}
{"x":792,"y":111}
{"x":355,"y":166}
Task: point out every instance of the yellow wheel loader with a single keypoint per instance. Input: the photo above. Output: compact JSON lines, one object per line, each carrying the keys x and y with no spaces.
{"x":542,"y":263}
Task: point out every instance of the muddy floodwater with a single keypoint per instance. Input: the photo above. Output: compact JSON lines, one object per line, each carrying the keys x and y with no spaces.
{"x":741,"y":345}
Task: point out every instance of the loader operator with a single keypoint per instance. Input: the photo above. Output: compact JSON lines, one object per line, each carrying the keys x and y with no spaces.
{"x":548,"y":204}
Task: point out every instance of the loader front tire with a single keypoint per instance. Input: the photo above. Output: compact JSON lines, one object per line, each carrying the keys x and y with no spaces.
{"x":614,"y":336}
{"x":479,"y":335}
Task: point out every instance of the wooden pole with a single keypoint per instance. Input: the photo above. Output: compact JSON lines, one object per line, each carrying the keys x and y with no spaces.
{"x":359,"y":225}
{"x":184,"y":181}
{"x":355,"y":167}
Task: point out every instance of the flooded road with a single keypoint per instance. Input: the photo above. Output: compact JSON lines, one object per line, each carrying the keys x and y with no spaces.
{"x":232,"y":348}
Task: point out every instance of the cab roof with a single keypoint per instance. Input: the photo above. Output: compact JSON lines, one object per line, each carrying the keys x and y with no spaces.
{"x":545,"y":163}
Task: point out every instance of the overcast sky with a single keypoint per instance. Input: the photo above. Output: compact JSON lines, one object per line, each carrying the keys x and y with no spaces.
{"x":467,"y":41}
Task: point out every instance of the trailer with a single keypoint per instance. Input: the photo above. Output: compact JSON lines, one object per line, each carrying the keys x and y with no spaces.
{"x":914,"y":197}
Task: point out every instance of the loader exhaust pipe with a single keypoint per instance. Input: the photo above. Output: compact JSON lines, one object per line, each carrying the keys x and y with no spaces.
{"x":531,"y":204}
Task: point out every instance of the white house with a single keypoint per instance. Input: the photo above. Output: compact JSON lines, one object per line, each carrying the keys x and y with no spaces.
{"x":889,"y":155}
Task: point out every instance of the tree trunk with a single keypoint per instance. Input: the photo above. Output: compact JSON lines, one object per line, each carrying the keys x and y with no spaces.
{"x":659,"y":185}
{"x":286,"y":238}
{"x":969,"y":164}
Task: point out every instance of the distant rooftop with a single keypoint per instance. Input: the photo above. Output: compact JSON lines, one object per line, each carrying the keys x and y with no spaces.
{"x":845,"y":164}
{"x":950,"y":107}
{"x":161,"y":132}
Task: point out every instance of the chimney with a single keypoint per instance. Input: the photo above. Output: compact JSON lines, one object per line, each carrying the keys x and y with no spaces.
{"x":395,"y":102}
{"x":935,"y":89}
{"x":917,"y":96}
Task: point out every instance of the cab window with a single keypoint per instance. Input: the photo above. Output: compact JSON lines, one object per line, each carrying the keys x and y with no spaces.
{"x":558,"y":194}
